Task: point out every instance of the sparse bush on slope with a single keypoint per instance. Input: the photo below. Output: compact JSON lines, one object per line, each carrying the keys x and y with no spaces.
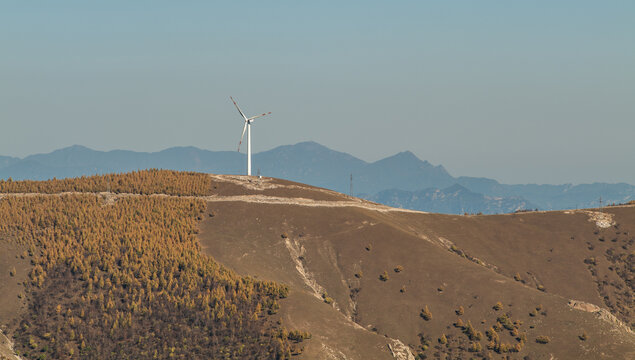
{"x":543,"y":339}
{"x":425,"y":313}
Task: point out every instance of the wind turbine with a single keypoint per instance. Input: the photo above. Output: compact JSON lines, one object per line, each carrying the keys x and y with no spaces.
{"x":247,"y":127}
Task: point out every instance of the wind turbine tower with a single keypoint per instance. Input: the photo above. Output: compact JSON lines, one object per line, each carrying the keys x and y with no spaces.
{"x":247,"y":127}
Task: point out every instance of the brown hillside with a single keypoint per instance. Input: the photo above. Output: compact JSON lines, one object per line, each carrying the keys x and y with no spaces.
{"x":435,"y":267}
{"x":85,"y":273}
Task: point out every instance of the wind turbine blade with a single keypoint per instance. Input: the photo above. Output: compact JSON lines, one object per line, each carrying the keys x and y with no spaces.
{"x":257,"y":116}
{"x":240,"y":111}
{"x":242,"y":136}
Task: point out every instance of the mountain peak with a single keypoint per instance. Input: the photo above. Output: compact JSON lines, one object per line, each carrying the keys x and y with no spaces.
{"x":401,"y":157}
{"x":407,"y":155}
{"x":73,"y":148}
{"x":181,"y":149}
{"x":311,"y":145}
{"x":64,"y":152}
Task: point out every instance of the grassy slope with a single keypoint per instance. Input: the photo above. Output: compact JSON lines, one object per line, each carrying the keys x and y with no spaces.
{"x":552,"y":247}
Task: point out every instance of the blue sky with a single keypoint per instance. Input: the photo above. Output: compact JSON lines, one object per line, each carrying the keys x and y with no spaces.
{"x":524,"y":92}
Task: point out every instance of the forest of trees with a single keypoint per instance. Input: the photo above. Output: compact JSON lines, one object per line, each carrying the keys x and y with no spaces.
{"x":127,"y":280}
{"x":151,"y":181}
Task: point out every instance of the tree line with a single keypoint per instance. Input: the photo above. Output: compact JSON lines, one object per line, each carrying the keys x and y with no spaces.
{"x":152,"y":181}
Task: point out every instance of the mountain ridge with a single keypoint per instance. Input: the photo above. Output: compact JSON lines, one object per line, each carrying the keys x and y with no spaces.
{"x":455,"y":199}
{"x":315,"y":164}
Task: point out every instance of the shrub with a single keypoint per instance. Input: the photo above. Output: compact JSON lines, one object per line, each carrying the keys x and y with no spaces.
{"x":478,"y":335}
{"x":583,"y":336}
{"x":273,"y":308}
{"x":542,"y":339}
{"x":425,"y":313}
{"x":498,"y":306}
{"x":298,"y":336}
{"x":443,"y":339}
{"x":459,"y":323}
{"x":12,"y":271}
{"x":460,"y":311}
{"x":327,"y":298}
{"x":475,"y":347}
{"x":590,"y":261}
{"x":384,"y":276}
{"x":399,"y":269}
{"x":498,"y":326}
{"x":403,"y":289}
{"x":472,"y":333}
{"x":492,"y":335}
{"x":359,"y":274}
{"x":517,"y":277}
{"x":505,"y":321}
{"x":369,"y":247}
{"x":32,"y":343}
{"x":502,"y":348}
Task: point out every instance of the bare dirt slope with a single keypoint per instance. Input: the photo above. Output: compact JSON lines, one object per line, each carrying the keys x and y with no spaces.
{"x":375,"y":282}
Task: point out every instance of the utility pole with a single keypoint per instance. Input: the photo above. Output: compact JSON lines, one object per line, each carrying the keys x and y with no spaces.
{"x":600,"y":203}
{"x":351,"y":189}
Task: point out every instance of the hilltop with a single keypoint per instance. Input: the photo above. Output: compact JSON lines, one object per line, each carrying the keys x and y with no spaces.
{"x":362,"y":270}
{"x":360,"y":279}
{"x":401,"y":180}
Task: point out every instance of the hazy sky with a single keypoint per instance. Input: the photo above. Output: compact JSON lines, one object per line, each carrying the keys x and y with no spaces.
{"x":520,"y":91}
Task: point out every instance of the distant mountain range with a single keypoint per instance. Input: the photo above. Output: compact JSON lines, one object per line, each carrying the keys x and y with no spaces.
{"x":401,"y":180}
{"x":455,"y":199}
